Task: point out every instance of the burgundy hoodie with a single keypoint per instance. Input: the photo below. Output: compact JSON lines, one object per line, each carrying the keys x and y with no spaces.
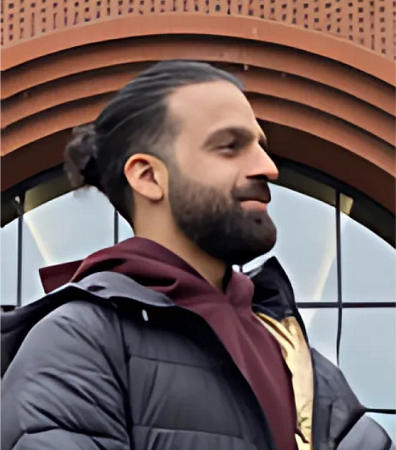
{"x":254,"y":350}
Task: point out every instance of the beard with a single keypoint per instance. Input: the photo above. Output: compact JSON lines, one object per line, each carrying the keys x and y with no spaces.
{"x":218,"y":224}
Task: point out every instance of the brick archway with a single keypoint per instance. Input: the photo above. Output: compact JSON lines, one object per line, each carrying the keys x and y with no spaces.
{"x":323,"y":101}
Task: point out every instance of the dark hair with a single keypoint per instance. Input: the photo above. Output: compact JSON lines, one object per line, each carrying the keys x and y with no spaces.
{"x":135,"y":121}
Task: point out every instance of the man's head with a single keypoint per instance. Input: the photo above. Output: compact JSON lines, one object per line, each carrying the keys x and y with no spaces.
{"x":180,"y":144}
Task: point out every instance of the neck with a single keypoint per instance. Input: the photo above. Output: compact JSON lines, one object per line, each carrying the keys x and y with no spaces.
{"x":208,"y":267}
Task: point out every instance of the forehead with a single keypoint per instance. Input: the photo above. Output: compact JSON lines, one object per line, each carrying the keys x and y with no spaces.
{"x":203,"y":108}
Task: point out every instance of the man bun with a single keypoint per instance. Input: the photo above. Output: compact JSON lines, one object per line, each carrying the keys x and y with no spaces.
{"x":80,"y":157}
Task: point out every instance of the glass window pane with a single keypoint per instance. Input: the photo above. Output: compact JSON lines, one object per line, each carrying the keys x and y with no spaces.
{"x":9,"y":263}
{"x":368,"y":264}
{"x":124,"y":229}
{"x":388,"y":422}
{"x":367,"y":355}
{"x":306,"y":246}
{"x":321,"y":325}
{"x":65,"y":229}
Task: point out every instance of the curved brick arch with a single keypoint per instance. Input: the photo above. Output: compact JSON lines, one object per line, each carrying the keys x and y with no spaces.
{"x":261,"y":30}
{"x":108,"y":55}
{"x":344,"y":125}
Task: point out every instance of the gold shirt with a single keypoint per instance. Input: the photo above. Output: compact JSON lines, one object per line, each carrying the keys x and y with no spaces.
{"x":298,"y":358}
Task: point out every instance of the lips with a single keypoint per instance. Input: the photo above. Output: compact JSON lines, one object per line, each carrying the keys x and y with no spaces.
{"x":260,"y":199}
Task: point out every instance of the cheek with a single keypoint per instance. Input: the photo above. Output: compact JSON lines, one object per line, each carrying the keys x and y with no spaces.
{"x":193,"y":165}
{"x":208,"y":168}
{"x":212,"y":172}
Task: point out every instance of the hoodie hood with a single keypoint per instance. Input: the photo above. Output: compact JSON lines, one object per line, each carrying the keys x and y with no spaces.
{"x":151,"y":265}
{"x":267,"y":289}
{"x":135,"y":257}
{"x":155,"y":267}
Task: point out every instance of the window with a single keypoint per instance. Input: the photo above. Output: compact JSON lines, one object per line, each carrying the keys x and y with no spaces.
{"x":367,"y":356}
{"x":65,"y":229}
{"x":306,"y":246}
{"x":368,"y":264}
{"x":321,"y":326}
{"x":9,"y":263}
{"x":124,"y":229}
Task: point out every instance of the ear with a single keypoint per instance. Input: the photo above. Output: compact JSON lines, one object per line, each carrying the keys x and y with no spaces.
{"x":145,"y":175}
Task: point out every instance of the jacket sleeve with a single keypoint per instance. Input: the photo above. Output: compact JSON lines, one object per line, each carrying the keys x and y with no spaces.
{"x":366,"y":434}
{"x":66,"y":388}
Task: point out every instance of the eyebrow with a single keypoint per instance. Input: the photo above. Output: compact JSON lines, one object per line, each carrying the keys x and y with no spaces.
{"x":238,"y":132}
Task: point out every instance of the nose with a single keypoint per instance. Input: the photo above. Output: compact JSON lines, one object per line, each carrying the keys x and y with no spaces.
{"x":262,"y":165}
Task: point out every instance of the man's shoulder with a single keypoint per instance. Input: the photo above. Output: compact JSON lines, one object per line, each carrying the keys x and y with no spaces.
{"x":89,"y":310}
{"x":94,"y":321}
{"x":61,"y":321}
{"x":88,"y":314}
{"x":75,"y":327}
{"x":89,"y":304}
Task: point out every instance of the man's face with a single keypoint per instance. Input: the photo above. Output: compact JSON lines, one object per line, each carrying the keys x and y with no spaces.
{"x":218,"y":191}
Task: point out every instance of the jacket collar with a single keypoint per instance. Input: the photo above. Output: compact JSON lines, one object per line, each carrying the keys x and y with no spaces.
{"x":273,"y":293}
{"x":275,"y":299}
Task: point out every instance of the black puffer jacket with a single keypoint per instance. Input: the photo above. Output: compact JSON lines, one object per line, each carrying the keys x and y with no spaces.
{"x":173,"y":386}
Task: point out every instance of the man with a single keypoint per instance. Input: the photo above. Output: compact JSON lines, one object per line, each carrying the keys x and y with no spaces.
{"x":156,"y":343}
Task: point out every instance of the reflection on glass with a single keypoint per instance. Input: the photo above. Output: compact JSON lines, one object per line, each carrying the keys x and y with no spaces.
{"x":388,"y":421}
{"x":9,"y":263}
{"x":321,"y":325}
{"x":368,"y":264}
{"x":65,"y":229}
{"x":367,"y":355}
{"x":124,"y":229}
{"x":306,"y":245}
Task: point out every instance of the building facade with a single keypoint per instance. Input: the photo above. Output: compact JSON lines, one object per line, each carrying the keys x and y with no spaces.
{"x":320,"y":77}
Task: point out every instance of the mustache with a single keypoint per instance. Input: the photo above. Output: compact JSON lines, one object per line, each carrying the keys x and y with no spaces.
{"x":256,"y":190}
